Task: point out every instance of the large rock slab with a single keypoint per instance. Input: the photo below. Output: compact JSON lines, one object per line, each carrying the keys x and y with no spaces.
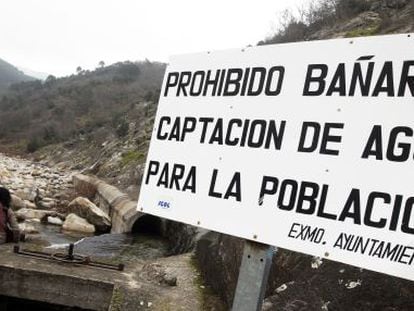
{"x":88,"y":210}
{"x":77,"y":224}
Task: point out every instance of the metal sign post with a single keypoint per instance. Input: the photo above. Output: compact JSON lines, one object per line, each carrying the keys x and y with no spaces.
{"x":253,"y":276}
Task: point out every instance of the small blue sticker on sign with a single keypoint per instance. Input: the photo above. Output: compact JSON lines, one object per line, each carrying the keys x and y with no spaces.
{"x":164,"y":204}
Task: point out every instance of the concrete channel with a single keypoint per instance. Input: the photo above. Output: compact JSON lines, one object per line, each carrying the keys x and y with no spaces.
{"x":55,"y":283}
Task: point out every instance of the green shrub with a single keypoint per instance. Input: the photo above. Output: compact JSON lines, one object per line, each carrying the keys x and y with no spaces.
{"x":132,"y":156}
{"x":363,"y":32}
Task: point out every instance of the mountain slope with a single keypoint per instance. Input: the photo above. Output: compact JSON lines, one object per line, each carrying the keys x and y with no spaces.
{"x":345,"y":19}
{"x":35,"y":114}
{"x":35,"y":74}
{"x":10,"y":74}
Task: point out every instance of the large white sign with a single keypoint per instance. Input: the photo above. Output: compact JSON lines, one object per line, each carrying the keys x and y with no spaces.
{"x":305,"y":146}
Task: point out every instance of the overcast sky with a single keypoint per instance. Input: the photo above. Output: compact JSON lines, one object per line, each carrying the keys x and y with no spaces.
{"x":56,"y":36}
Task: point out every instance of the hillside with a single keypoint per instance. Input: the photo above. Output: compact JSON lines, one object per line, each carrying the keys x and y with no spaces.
{"x":97,"y":121}
{"x":9,"y":75}
{"x":36,"y":114}
{"x":329,"y":19}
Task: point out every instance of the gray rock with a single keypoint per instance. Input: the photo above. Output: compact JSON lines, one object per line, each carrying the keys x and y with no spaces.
{"x":26,"y":194}
{"x":28,"y":228}
{"x":157,"y":273}
{"x":77,"y":224}
{"x":267,"y":306}
{"x":86,"y":209}
{"x":29,"y":204}
{"x":36,"y":172}
{"x":28,"y":213}
{"x":54,"y":221}
{"x":363,"y":20}
{"x":169,"y":279}
{"x":47,"y":203}
{"x":17,"y":203}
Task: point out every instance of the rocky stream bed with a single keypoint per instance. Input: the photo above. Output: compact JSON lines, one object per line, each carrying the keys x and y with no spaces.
{"x":52,"y":215}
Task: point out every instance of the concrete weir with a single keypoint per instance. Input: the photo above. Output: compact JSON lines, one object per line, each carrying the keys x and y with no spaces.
{"x":111,"y":200}
{"x":53,"y":283}
{"x":126,"y":218}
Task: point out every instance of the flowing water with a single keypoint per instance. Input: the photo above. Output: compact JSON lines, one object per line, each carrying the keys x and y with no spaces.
{"x":24,"y":176}
{"x":106,"y":248}
{"x":122,"y":247}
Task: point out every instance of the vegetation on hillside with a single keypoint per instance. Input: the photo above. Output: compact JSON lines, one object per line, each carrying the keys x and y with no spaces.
{"x":319,"y":15}
{"x":100,"y":122}
{"x":36,"y":114}
{"x":10,"y":74}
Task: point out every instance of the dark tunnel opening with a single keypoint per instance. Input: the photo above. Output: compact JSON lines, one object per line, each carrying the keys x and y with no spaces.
{"x":147,"y":224}
{"x":18,"y":304}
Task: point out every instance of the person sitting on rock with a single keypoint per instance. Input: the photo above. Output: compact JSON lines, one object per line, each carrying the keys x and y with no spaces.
{"x":9,"y":228}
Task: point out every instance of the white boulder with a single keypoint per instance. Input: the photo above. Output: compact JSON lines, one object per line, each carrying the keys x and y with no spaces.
{"x":77,"y":224}
{"x":54,"y":221}
{"x":93,"y":214}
